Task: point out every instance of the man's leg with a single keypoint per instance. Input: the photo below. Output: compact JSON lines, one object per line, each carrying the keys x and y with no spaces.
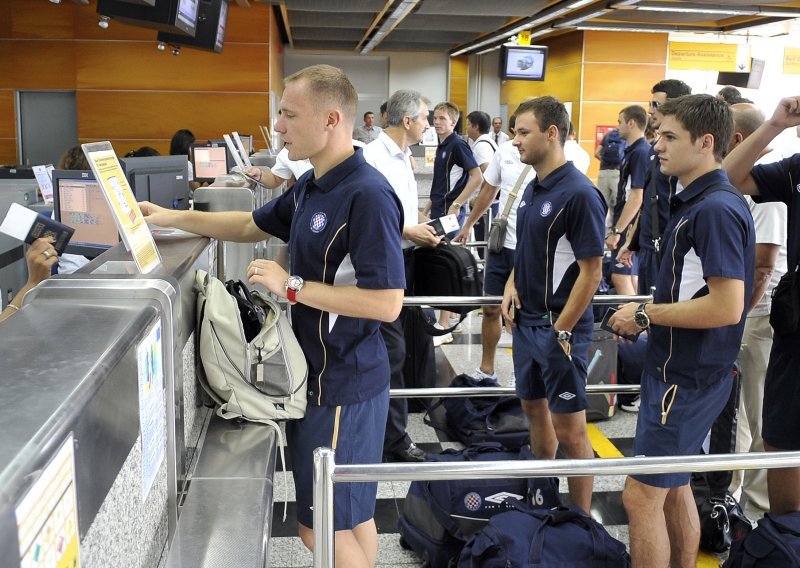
{"x":570,"y":431}
{"x":357,"y":548}
{"x":648,"y":527}
{"x":783,"y":486}
{"x":543,"y":436}
{"x":395,"y":439}
{"x":683,"y":527}
{"x":491,"y":329}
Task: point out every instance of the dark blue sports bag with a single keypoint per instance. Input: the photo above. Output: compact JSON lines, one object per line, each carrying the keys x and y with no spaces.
{"x":440,"y":516}
{"x":528,"y":538}
{"x":774,"y":543}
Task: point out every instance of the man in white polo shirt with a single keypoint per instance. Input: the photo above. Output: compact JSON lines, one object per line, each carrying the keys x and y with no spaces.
{"x":406,"y":121}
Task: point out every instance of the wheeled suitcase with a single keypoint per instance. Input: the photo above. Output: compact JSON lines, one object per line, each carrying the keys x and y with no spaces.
{"x":602,"y":370}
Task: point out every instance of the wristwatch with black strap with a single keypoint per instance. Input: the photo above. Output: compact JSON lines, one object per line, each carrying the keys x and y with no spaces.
{"x":640,"y":317}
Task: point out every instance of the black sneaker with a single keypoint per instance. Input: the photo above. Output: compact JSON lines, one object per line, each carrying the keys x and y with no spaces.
{"x":410,"y":454}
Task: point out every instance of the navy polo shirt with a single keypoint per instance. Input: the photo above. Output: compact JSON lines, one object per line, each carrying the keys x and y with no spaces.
{"x":632,"y":172}
{"x":714,"y":237}
{"x":780,"y":181}
{"x":343,"y":229}
{"x":665,"y":187}
{"x":560,"y":220}
{"x":452,"y":152}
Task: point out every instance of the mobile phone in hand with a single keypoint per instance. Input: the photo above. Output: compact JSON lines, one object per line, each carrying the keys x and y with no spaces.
{"x":607,"y":326}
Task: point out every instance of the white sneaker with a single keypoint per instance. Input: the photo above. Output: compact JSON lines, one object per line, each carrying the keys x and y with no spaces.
{"x":439,"y":340}
{"x":505,"y":340}
{"x":479,"y":374}
{"x":456,"y":321}
{"x":632,"y":406}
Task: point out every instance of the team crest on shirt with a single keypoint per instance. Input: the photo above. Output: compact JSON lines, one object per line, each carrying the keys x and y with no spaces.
{"x":546,"y":209}
{"x":472,"y":501}
{"x":318,"y":221}
{"x":797,"y":187}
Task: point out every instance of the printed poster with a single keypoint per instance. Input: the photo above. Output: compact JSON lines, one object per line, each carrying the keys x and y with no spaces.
{"x":47,"y":517}
{"x":152,"y":411}
{"x":132,"y":226}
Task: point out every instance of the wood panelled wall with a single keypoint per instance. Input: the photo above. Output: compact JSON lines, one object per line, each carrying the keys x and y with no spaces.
{"x":127,"y":91}
{"x":619,"y":69}
{"x":458,"y":87}
{"x":562,"y":76}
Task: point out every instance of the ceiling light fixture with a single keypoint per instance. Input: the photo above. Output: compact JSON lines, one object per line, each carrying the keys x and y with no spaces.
{"x":578,"y":19}
{"x":690,"y":8}
{"x":391,"y":22}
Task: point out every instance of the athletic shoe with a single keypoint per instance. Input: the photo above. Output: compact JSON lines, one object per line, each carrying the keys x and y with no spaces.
{"x":479,"y":374}
{"x":412,"y":453}
{"x":632,"y":406}
{"x":505,"y":340}
{"x":439,"y":340}
{"x":456,"y":321}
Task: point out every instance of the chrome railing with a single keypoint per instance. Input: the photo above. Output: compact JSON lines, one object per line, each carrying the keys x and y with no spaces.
{"x":326,"y":473}
{"x":600,"y":300}
{"x":450,"y":392}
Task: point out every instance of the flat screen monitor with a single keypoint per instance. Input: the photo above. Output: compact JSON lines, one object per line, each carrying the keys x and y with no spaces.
{"x":247,"y":141}
{"x":212,"y":16}
{"x":163,"y":180}
{"x":523,"y":63}
{"x":175,"y":16}
{"x":210,"y":160}
{"x":79,"y":203}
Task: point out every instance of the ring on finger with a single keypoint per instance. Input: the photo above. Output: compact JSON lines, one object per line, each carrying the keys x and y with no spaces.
{"x":46,"y":253}
{"x":255,"y":271}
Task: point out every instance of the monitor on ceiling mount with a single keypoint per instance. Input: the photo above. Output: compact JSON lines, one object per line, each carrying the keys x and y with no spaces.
{"x":175,"y":16}
{"x":523,"y":62}
{"x":212,"y":17}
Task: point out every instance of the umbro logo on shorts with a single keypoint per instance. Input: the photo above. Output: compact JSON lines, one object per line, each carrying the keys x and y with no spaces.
{"x":502,"y":496}
{"x":567,"y":395}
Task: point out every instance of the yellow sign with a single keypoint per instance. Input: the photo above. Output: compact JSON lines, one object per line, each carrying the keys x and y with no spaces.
{"x":430,"y":156}
{"x":791,"y":60}
{"x":524,"y":38}
{"x":47,"y":517}
{"x":704,"y":56}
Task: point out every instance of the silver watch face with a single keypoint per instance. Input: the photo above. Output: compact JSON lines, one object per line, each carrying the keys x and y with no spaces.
{"x":295,"y":283}
{"x":641,"y":319}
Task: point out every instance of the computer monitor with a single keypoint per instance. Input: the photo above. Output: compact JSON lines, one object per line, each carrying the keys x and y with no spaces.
{"x":163,"y":180}
{"x":78,"y":202}
{"x":212,"y":17}
{"x":175,"y":16}
{"x":523,"y":63}
{"x":210,"y":160}
{"x":247,"y":141}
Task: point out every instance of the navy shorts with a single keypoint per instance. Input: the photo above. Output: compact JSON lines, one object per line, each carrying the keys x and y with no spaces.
{"x":355,"y":431}
{"x":687,"y":415}
{"x":619,"y":268}
{"x":498,"y":268}
{"x":543,"y":370}
{"x":781,"y":413}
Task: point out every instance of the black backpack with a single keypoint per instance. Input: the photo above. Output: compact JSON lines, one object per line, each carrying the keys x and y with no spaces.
{"x":775,"y":543}
{"x":447,"y":270}
{"x":613,"y":149}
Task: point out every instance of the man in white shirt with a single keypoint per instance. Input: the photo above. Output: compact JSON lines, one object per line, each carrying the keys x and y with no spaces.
{"x":497,"y":131}
{"x":770,"y":264}
{"x":502,"y":173}
{"x":575,"y":153}
{"x":482,"y":144}
{"x":368,"y":132}
{"x":407,"y":120}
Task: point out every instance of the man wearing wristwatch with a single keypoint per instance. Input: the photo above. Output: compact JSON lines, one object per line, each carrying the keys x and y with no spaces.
{"x":557,"y":268}
{"x":343,"y":224}
{"x":696,"y":322}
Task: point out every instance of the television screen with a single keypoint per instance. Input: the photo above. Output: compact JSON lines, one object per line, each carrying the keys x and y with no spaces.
{"x":172,"y":16}
{"x":211,"y":17}
{"x":78,"y":202}
{"x":211,"y":160}
{"x":163,"y":180}
{"x":523,"y":63}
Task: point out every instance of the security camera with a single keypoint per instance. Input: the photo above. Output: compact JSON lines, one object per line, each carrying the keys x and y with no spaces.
{"x":161,"y":46}
{"x":103,"y":23}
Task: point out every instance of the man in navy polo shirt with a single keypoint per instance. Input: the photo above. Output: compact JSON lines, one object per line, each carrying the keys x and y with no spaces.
{"x":343,"y":224}
{"x":779,"y":181}
{"x":557,"y":268}
{"x":696,"y":323}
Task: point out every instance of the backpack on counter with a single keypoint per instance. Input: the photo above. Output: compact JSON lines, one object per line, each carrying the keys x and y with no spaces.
{"x":613,"y":148}
{"x":440,"y":516}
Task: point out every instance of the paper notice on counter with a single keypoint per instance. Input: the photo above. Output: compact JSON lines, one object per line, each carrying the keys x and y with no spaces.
{"x":130,"y":221}
{"x":152,"y":411}
{"x":44,"y":178}
{"x":47,"y":517}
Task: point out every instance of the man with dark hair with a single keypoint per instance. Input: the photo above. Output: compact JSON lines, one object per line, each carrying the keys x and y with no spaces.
{"x":695,"y":325}
{"x":557,"y":268}
{"x":778,"y":181}
{"x":729,"y":94}
{"x":631,"y":122}
{"x":483,"y":147}
{"x":344,"y":220}
{"x":382,"y":110}
{"x":367,"y":132}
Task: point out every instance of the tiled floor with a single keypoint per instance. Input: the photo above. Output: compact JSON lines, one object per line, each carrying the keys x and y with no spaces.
{"x":461,"y":356}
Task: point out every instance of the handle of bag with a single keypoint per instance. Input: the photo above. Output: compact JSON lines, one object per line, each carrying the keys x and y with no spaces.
{"x":512,"y":197}
{"x":558,"y":516}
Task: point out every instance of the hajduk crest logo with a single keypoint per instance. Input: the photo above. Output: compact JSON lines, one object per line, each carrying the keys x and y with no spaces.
{"x":318,"y":221}
{"x":546,"y":209}
{"x":472,"y":501}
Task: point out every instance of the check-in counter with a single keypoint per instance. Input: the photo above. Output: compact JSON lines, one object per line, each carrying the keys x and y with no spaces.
{"x":102,"y":412}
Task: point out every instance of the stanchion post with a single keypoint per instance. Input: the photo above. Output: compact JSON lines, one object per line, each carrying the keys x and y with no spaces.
{"x":324,"y":463}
